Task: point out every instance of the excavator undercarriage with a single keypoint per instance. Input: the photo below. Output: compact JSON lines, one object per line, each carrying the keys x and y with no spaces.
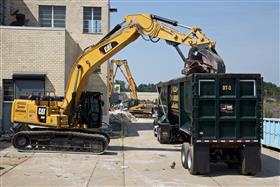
{"x":93,"y":139}
{"x":73,"y":140}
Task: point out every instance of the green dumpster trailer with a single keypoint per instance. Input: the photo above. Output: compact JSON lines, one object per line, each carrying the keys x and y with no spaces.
{"x":217,"y":117}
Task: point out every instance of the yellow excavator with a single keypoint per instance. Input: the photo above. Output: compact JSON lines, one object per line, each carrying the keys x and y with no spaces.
{"x":75,"y":123}
{"x":134,"y":105}
{"x":127,"y":75}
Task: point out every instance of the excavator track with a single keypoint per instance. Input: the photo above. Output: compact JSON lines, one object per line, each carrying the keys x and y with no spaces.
{"x":57,"y":141}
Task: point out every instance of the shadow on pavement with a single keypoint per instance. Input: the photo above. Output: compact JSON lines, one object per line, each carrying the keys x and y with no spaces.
{"x":270,"y":168}
{"x":4,"y":145}
{"x":132,"y":129}
{"x":128,"y":148}
{"x":110,"y":153}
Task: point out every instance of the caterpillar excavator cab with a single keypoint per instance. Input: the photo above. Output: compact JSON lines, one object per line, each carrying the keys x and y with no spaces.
{"x":75,"y":123}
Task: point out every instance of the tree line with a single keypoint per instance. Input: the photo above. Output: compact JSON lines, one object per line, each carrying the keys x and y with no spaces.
{"x":150,"y":87}
{"x":270,"y":89}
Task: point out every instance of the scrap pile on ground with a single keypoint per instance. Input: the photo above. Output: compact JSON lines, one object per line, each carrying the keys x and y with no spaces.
{"x":119,"y":118}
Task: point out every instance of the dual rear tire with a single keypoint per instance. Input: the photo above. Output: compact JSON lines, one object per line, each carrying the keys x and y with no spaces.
{"x":187,"y":157}
{"x":195,"y":158}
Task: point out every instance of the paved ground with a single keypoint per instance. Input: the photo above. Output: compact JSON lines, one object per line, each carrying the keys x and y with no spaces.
{"x":136,"y":160}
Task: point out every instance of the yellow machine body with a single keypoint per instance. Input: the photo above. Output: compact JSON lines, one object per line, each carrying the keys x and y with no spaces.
{"x":41,"y":114}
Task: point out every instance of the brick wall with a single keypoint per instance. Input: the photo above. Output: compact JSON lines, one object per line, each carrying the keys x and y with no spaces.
{"x":33,"y":50}
{"x":74,"y":26}
{"x":74,"y":34}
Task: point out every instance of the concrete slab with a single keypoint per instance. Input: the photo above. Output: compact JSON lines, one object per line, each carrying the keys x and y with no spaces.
{"x":136,"y":160}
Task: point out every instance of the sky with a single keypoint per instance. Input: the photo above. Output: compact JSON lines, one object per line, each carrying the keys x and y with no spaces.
{"x":246,"y":35}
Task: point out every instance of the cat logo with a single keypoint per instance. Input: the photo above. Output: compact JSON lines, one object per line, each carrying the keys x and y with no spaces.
{"x":41,"y":112}
{"x":108,"y":47}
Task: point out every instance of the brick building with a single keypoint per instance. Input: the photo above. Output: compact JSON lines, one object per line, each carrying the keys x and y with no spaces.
{"x":38,"y":50}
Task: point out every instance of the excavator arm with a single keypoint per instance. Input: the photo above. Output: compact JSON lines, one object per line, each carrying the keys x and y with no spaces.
{"x":123,"y":34}
{"x":127,"y":75}
{"x":131,"y":82}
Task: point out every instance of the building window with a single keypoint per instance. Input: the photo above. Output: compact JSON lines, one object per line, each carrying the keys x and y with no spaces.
{"x":52,"y":16}
{"x":92,"y":19}
{"x":8,"y":86}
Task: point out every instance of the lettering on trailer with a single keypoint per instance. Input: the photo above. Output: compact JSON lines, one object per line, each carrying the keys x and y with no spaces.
{"x":226,"y":87}
{"x":41,"y":112}
{"x":108,"y":47}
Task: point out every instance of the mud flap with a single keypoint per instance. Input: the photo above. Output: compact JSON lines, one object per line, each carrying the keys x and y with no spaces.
{"x":251,"y":160}
{"x":201,"y":159}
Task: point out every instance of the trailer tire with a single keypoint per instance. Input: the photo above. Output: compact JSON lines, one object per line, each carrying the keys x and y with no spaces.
{"x":159,"y":135}
{"x":190,"y":161}
{"x":155,"y":131}
{"x":184,"y":152}
{"x":197,"y":158}
{"x":161,"y":140}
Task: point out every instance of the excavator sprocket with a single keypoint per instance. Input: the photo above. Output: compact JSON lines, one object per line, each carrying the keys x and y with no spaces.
{"x":59,"y":140}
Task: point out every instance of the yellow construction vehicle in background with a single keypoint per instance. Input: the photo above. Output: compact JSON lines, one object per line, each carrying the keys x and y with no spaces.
{"x":127,"y":75}
{"x":75,"y":123}
{"x":134,"y":105}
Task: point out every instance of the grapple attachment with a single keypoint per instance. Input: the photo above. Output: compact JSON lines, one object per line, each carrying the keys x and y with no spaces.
{"x":202,"y":59}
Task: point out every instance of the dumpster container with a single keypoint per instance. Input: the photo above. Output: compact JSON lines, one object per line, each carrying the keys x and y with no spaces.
{"x":271,"y":132}
{"x":218,"y":116}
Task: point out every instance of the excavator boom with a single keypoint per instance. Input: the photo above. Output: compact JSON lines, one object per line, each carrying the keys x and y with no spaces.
{"x":122,"y":35}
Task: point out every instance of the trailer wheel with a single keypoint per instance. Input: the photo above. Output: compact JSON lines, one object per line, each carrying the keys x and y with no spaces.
{"x":162,"y":139}
{"x":155,"y":131}
{"x":190,"y":164}
{"x":159,"y":134}
{"x":184,"y":152}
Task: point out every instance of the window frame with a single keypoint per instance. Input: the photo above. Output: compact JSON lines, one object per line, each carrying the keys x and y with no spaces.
{"x":52,"y":15}
{"x":92,"y":16}
{"x":4,"y":88}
